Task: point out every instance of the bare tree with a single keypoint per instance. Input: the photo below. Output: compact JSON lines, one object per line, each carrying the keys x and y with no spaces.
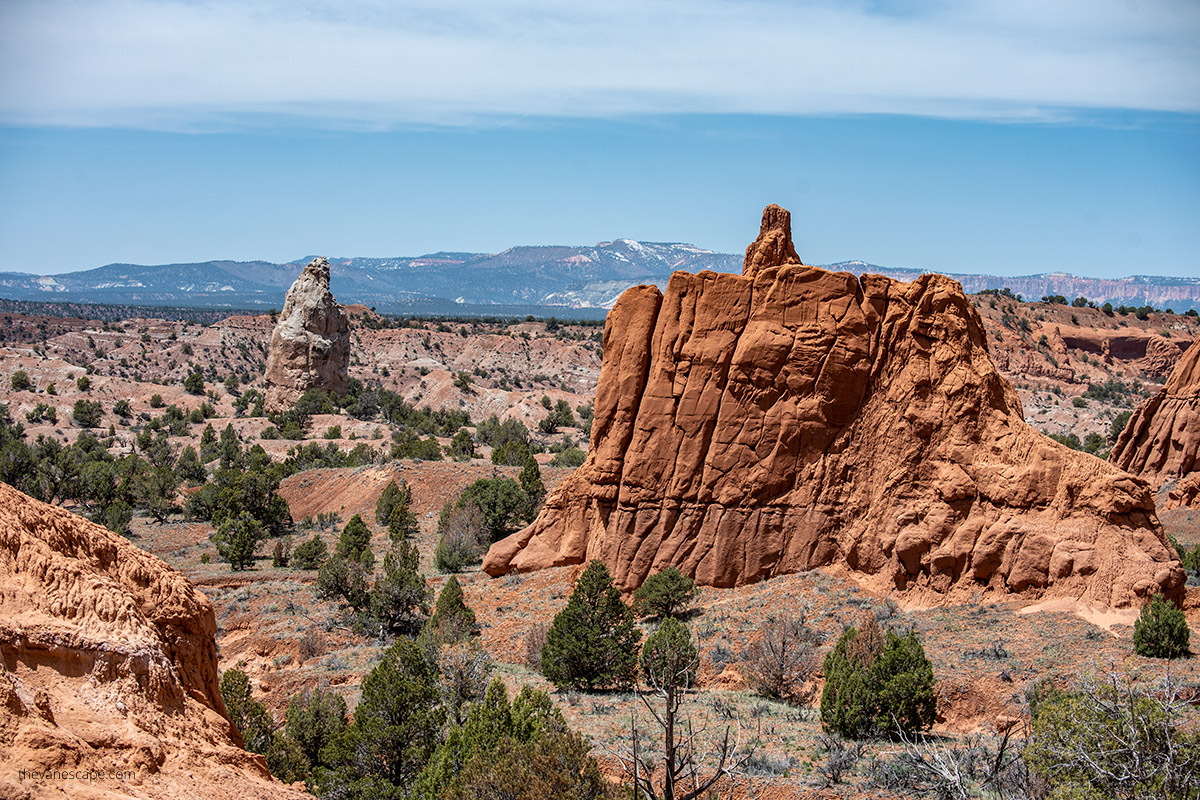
{"x":464,"y":668}
{"x":1119,"y":737}
{"x":687,"y":765}
{"x":781,"y":662}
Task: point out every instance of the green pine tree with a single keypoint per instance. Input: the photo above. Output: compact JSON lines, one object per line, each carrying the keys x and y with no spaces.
{"x":314,"y":719}
{"x":533,"y":488}
{"x":395,"y":730}
{"x":402,"y":523}
{"x":386,"y":502}
{"x":593,"y":642}
{"x":877,"y":685}
{"x":452,"y":620}
{"x":400,"y":599}
{"x":1161,"y":631}
{"x":355,"y":542}
{"x":248,"y":715}
{"x":665,"y":593}
{"x":237,"y":539}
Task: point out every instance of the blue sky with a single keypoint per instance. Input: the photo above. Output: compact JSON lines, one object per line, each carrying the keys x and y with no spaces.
{"x":1004,"y":137}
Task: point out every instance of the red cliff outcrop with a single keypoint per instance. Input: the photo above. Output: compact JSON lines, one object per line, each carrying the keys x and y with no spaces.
{"x":791,"y":418}
{"x":1161,"y":441}
{"x":110,"y":670}
{"x":310,"y":346}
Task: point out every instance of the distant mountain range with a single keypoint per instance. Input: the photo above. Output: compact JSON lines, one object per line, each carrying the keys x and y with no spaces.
{"x":572,"y":281}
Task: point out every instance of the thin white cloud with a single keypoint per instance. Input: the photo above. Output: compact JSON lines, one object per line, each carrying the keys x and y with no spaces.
{"x":364,"y":63}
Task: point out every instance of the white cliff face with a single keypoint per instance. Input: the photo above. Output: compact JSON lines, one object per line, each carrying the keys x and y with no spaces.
{"x":310,"y":347}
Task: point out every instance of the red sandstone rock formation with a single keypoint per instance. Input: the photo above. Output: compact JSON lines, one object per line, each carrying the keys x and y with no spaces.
{"x":1161,"y":441}
{"x":774,"y":243}
{"x":310,"y":347}
{"x":109,"y":666}
{"x":792,"y":418}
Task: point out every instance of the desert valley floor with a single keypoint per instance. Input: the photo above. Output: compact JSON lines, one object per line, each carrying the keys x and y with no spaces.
{"x":1075,"y":370}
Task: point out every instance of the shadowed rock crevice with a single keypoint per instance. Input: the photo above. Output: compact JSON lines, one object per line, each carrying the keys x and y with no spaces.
{"x":792,"y":417}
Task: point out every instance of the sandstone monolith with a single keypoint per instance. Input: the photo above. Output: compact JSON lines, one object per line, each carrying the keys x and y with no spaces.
{"x":310,"y":346}
{"x":792,"y":417}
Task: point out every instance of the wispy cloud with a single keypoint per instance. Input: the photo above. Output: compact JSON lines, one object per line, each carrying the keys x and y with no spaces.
{"x":214,"y":64}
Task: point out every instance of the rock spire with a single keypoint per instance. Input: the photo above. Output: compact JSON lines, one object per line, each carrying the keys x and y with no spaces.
{"x":310,"y":347}
{"x":773,"y":247}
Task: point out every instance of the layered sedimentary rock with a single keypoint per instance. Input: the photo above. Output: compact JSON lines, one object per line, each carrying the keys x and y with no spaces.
{"x":110,"y":666}
{"x":310,"y":347}
{"x":792,"y":418}
{"x":1161,"y":441}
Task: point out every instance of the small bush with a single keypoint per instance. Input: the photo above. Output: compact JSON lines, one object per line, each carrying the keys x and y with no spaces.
{"x":877,"y":684}
{"x":665,"y":594}
{"x":312,"y":644}
{"x":281,"y":554}
{"x":781,"y":662}
{"x":1161,"y":631}
{"x":535,"y":640}
{"x":311,"y":554}
{"x":462,"y":536}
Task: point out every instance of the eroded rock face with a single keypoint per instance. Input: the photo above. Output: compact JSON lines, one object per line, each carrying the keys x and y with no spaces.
{"x":792,"y":418}
{"x":310,"y":347}
{"x":1161,"y":441}
{"x":109,"y":665}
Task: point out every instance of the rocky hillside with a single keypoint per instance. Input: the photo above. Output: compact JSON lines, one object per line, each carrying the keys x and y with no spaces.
{"x":1161,"y":443}
{"x":791,"y":417}
{"x":110,"y":667}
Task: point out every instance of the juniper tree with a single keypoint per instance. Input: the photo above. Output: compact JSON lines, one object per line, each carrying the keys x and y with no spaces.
{"x":877,"y":684}
{"x":533,"y":488}
{"x":237,"y":539}
{"x":314,"y":719}
{"x":665,"y":594}
{"x":395,"y":730}
{"x":1161,"y":631}
{"x":248,"y":715}
{"x":355,"y":542}
{"x":593,"y":642}
{"x":399,"y":601}
{"x":452,"y":619}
